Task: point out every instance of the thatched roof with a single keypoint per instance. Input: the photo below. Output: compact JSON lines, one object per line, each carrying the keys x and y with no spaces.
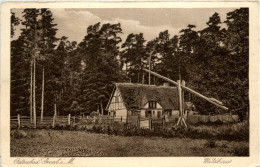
{"x":135,"y":96}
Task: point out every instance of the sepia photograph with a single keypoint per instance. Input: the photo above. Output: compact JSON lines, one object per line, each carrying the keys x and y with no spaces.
{"x":129,"y":82}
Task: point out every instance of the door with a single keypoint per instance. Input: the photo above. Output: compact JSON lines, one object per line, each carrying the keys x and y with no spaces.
{"x":148,"y":113}
{"x":159,"y":114}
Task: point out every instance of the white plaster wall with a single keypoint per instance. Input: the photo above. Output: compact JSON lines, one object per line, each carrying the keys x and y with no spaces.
{"x":175,"y":112}
{"x":142,"y":113}
{"x":121,"y":113}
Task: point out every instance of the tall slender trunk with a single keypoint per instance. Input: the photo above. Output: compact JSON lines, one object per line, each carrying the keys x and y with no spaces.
{"x":31,"y":93}
{"x":71,"y":79}
{"x":42,"y":105}
{"x":143,"y":78}
{"x":98,"y":110}
{"x":61,"y":99}
{"x":150,"y":57}
{"x":55,"y":108}
{"x":34,"y":100}
{"x":101,"y":108}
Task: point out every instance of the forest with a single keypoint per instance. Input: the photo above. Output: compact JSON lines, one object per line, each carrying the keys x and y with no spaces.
{"x":51,"y":74}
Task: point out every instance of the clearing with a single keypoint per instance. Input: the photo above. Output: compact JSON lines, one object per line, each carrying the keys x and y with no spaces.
{"x":63,"y":143}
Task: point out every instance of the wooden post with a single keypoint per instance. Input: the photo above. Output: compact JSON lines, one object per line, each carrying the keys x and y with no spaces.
{"x":121,"y":119}
{"x":182,"y":95}
{"x":163,"y":121}
{"x":53,"y":120}
{"x":150,"y":123}
{"x":54,"y":115}
{"x":180,"y":101}
{"x":69,"y":119}
{"x":42,"y":105}
{"x":101,"y":107}
{"x":138,"y":121}
{"x":181,"y":105}
{"x":34,"y":96}
{"x":19,"y":121}
{"x":31,"y":93}
{"x":150,"y":57}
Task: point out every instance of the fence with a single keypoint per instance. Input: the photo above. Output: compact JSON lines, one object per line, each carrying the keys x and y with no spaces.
{"x":52,"y":121}
{"x":193,"y":119}
{"x":26,"y":122}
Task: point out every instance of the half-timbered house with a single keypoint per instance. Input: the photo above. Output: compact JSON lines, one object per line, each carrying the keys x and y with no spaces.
{"x":143,"y":100}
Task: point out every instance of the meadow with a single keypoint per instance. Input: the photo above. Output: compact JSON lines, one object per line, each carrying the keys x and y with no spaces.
{"x":82,"y":143}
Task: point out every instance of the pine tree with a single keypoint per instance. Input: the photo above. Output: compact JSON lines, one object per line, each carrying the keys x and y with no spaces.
{"x":236,"y":39}
{"x":100,"y":55}
{"x":134,"y":55}
{"x":29,"y":37}
{"x":15,"y":21}
{"x":48,"y":32}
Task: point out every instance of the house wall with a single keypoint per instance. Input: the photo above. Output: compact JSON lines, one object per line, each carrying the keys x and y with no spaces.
{"x":121,"y":113}
{"x":154,"y":111}
{"x":175,"y":112}
{"x":142,"y":113}
{"x":117,"y":106}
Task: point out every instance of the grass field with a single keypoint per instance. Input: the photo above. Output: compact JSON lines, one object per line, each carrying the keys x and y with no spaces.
{"x":54,"y":143}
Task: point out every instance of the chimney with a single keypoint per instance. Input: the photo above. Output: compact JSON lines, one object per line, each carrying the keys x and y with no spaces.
{"x":166,"y":84}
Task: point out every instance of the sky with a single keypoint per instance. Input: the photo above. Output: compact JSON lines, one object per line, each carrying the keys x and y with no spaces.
{"x":73,"y":23}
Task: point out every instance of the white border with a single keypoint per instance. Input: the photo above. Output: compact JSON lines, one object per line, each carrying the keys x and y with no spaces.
{"x":252,"y":160}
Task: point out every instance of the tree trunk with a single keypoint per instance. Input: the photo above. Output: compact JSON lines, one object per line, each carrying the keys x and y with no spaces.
{"x":42,"y":106}
{"x":34,"y":100}
{"x":101,"y":108}
{"x":143,"y":79}
{"x":31,"y":93}
{"x":98,"y":109}
{"x":126,"y":68}
{"x":57,"y":105}
{"x":55,"y":108}
{"x":71,"y":79}
{"x":150,"y":57}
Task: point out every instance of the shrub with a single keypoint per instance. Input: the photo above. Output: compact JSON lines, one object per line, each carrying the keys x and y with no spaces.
{"x":235,"y":132}
{"x":210,"y":144}
{"x":238,"y":132}
{"x":94,"y":113}
{"x":59,"y":127}
{"x":18,"y":134}
{"x":240,"y":151}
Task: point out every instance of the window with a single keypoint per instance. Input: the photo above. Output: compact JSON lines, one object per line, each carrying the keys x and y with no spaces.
{"x":159,"y":113}
{"x":152,"y":104}
{"x":136,"y":113}
{"x":153,"y":112}
{"x":169,"y":112}
{"x":148,"y":113}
